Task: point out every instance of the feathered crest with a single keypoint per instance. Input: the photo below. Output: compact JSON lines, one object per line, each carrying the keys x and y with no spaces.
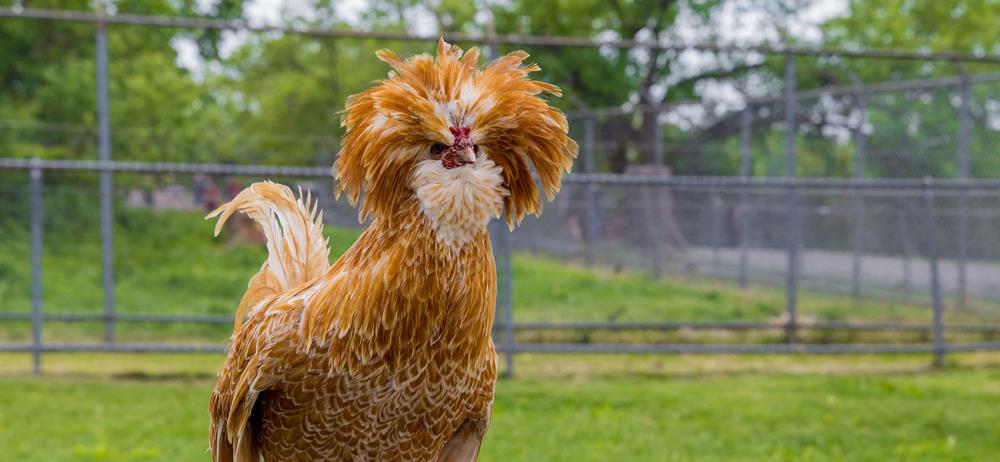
{"x":391,"y":125}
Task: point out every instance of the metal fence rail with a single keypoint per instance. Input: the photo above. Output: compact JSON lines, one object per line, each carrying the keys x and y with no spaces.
{"x":494,"y":39}
{"x":510,"y":350}
{"x":687,"y":182}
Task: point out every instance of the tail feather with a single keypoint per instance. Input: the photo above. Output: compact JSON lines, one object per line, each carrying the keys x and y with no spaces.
{"x":296,"y":249}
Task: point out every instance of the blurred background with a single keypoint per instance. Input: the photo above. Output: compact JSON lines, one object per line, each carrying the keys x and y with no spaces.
{"x":778,"y":242}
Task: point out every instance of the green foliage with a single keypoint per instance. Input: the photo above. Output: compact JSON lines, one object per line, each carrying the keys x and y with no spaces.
{"x":287,"y":95}
{"x":588,"y":77}
{"x":960,"y":25}
{"x":159,"y":111}
{"x":915,"y":133}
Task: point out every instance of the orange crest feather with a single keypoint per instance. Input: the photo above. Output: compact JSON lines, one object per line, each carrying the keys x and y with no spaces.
{"x":391,"y":126}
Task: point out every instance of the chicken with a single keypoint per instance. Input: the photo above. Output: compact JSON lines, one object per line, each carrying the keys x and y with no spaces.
{"x":386,"y":355}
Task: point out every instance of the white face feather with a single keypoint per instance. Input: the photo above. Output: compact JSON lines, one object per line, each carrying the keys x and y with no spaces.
{"x":459,"y":202}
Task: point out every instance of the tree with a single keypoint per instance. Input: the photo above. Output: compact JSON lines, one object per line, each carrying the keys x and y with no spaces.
{"x":158,"y":110}
{"x":915,"y":133}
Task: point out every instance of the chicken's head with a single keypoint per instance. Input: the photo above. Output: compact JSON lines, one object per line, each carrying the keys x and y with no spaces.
{"x":462,"y":139}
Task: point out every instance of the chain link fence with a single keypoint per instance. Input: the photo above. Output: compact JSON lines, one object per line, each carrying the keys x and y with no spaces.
{"x":676,"y":228}
{"x":846,"y":215}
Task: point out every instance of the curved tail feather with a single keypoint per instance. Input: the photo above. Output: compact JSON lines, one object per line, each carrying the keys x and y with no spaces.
{"x":296,"y":249}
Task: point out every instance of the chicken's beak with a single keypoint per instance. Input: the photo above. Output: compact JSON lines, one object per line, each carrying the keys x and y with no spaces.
{"x":468,"y":155}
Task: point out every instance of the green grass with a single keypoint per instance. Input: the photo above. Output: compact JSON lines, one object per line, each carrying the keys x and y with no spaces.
{"x":559,"y":408}
{"x":548,"y":289}
{"x":749,"y":418}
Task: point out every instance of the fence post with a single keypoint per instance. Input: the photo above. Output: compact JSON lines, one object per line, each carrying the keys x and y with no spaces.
{"x":964,"y":171}
{"x":792,"y":231}
{"x":652,"y":230}
{"x":857,"y":204}
{"x":716,"y":230}
{"x":907,"y":251}
{"x":37,"y":228}
{"x":932,"y":258}
{"x":745,"y":139}
{"x":508,"y":302}
{"x":104,"y":148}
{"x":504,"y":303}
{"x":589,"y":225}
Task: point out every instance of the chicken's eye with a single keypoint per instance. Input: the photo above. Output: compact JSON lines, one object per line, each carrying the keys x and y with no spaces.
{"x":437,"y":149}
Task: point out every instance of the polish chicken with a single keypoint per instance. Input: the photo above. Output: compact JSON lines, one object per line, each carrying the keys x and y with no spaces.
{"x":386,"y":355}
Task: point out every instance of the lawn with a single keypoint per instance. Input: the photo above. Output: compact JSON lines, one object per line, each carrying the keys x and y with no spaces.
{"x":559,"y":408}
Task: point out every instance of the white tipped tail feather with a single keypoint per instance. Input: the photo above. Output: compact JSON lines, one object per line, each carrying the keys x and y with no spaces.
{"x":296,"y":249}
